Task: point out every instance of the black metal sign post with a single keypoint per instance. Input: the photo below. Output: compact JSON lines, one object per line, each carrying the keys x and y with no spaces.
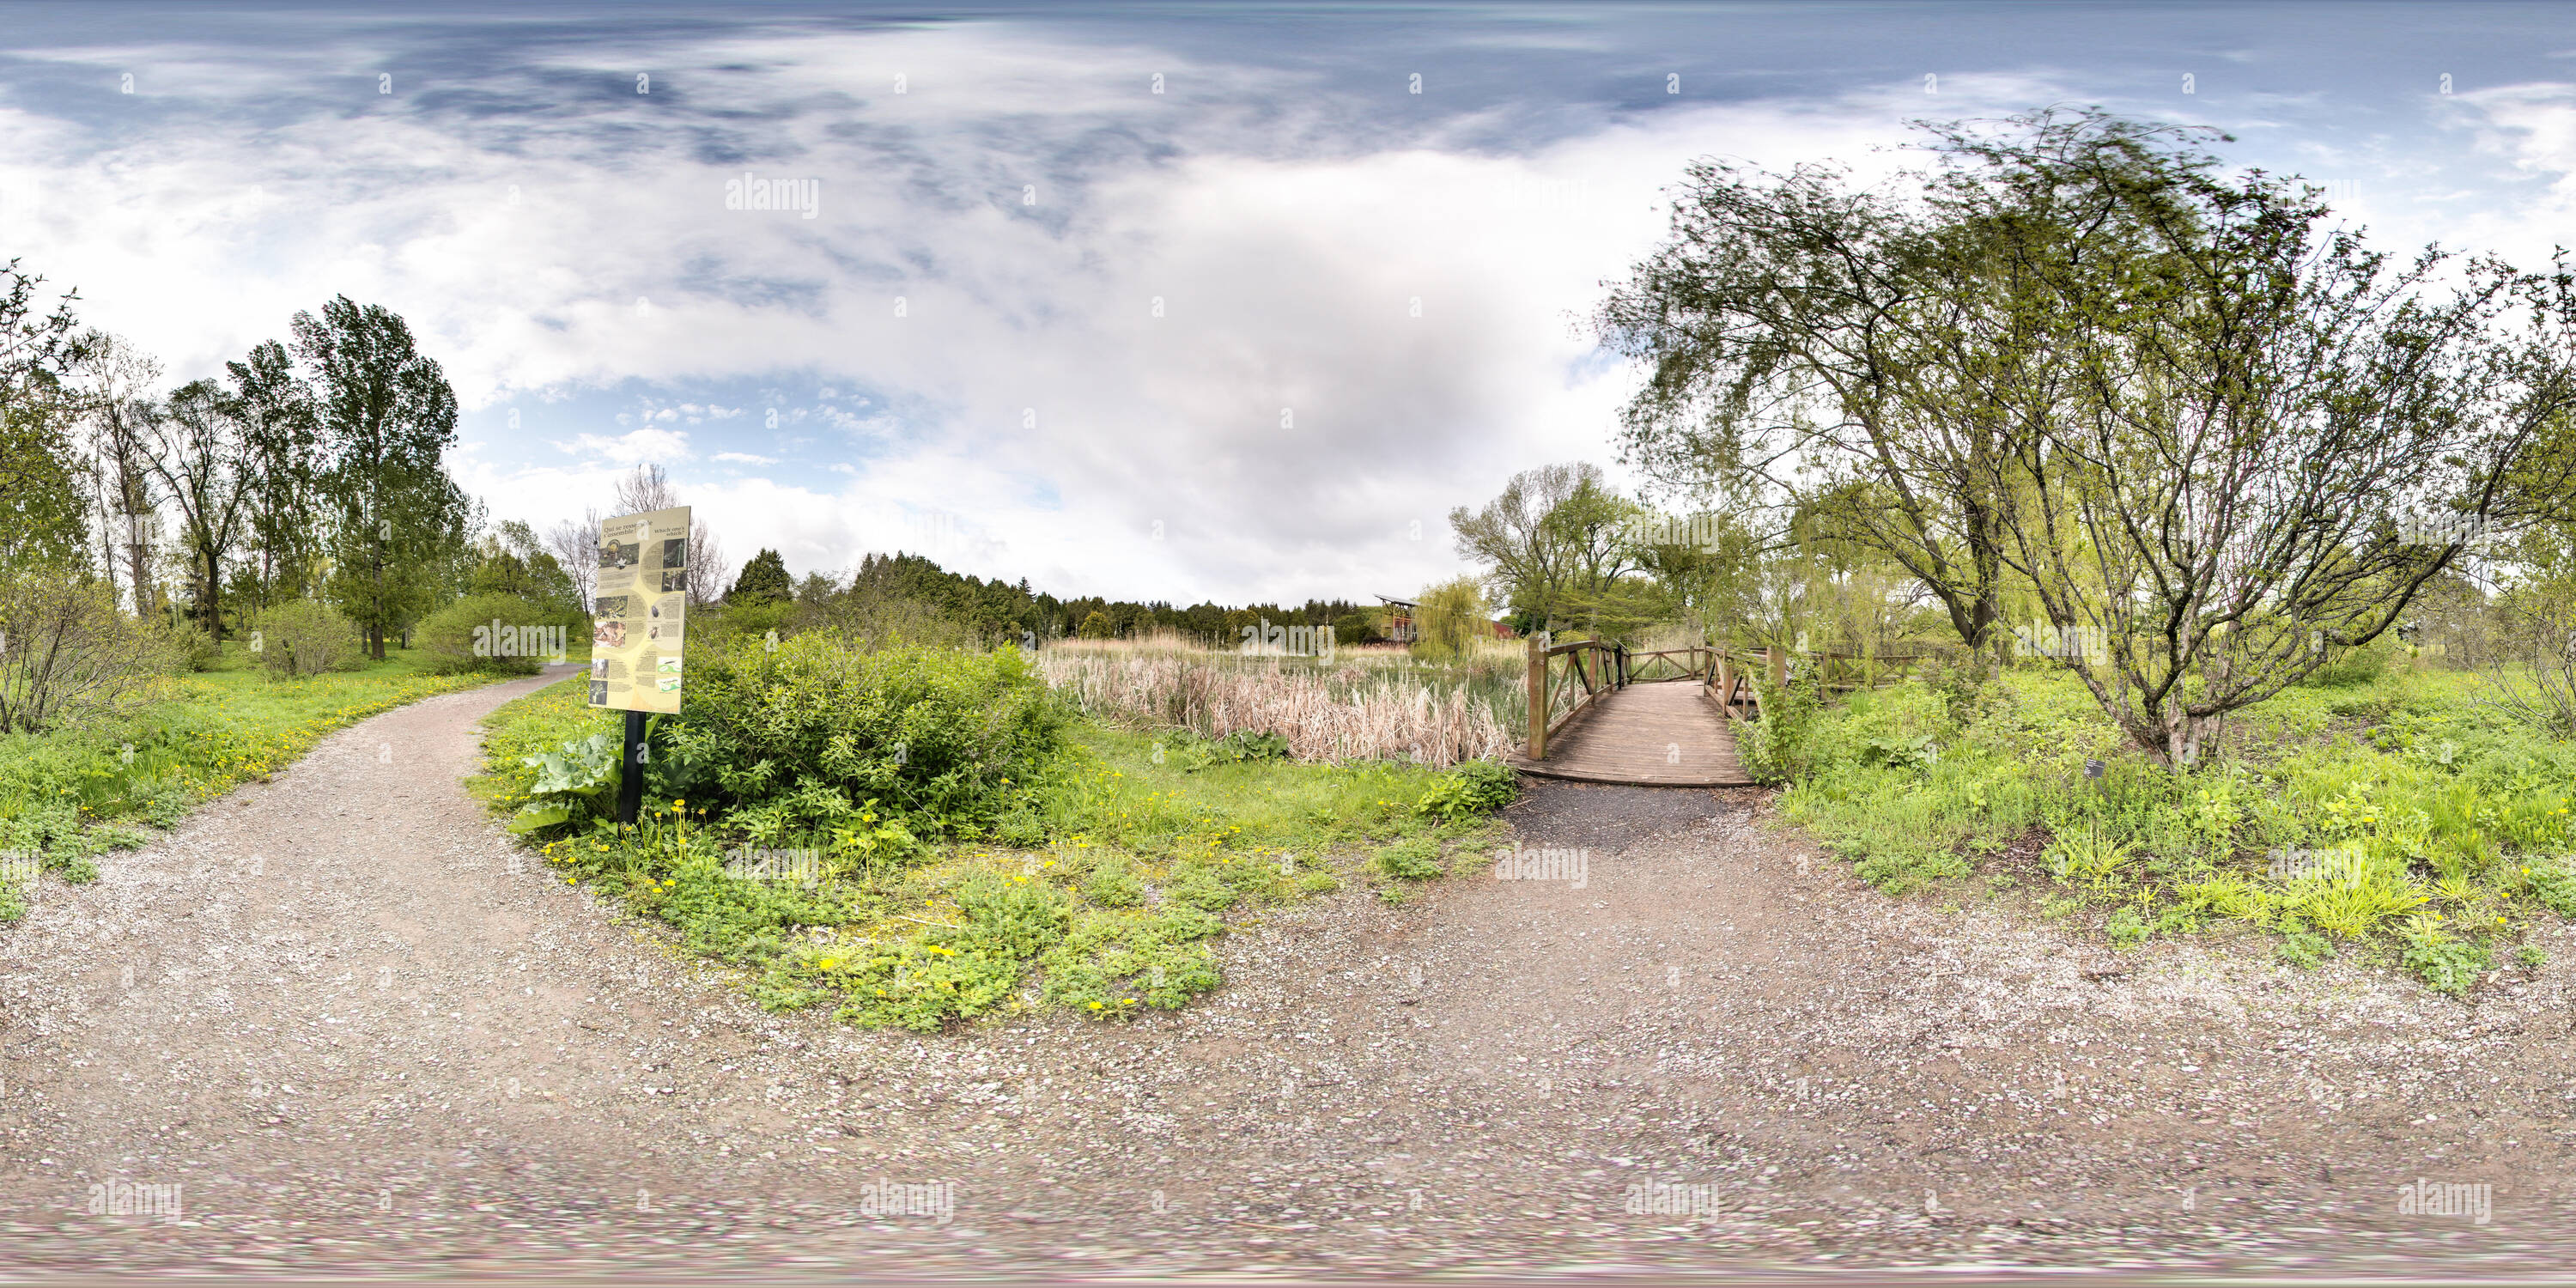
{"x":630,"y":776}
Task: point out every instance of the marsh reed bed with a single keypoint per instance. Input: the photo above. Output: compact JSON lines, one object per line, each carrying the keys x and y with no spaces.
{"x":1359,"y":704}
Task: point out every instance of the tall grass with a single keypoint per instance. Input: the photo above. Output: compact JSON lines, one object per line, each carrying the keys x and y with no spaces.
{"x":1359,"y":704}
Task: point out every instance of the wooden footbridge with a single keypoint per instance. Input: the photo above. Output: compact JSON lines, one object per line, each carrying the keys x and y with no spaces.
{"x":1602,"y":714}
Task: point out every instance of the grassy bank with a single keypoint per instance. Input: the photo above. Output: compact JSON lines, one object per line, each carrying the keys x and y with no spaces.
{"x":70,"y":795}
{"x":2397,"y":817}
{"x":1129,"y":857}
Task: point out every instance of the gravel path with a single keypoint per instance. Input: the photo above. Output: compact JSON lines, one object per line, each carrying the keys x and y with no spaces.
{"x":364,"y":1033}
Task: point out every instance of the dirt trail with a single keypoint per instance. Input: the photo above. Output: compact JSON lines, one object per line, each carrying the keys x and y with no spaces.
{"x":364,"y":1032}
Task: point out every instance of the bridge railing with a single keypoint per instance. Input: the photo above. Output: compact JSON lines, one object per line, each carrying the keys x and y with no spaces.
{"x":1563,"y":678}
{"x":1730,"y":679}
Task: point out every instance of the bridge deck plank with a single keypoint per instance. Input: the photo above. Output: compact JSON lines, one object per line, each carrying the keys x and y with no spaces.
{"x":1655,"y":735}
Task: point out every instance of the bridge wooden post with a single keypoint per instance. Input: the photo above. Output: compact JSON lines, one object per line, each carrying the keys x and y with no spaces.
{"x":1725,"y":682}
{"x":1537,"y":698}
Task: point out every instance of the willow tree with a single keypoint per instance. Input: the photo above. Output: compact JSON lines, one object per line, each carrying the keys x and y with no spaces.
{"x":2250,"y":411}
{"x":1811,"y":344}
{"x":2080,"y":361}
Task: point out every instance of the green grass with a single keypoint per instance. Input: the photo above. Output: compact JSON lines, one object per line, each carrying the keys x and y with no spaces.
{"x":2431,"y":827}
{"x":1132,"y":860}
{"x":73,"y":794}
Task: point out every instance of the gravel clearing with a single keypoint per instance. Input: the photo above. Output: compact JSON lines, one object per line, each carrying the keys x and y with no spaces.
{"x":365,"y":1033}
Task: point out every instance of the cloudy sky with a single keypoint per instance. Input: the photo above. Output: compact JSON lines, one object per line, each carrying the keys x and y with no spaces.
{"x":1150,"y":301}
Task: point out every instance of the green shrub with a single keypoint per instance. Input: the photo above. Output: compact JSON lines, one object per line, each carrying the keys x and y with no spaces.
{"x":737,"y":624}
{"x":2445,"y":965}
{"x":1113,"y":964}
{"x":1112,"y":885}
{"x":2305,"y":950}
{"x":2554,"y":886}
{"x":1780,"y":747}
{"x":497,"y":633}
{"x":1476,"y":787}
{"x":1415,"y":858}
{"x":1243,"y":746}
{"x":2351,"y":667}
{"x":575,"y":782}
{"x":2125,"y":928}
{"x":796,"y":743}
{"x":305,"y":637}
{"x":1202,"y":888}
{"x":68,"y":657}
{"x":191,"y":646}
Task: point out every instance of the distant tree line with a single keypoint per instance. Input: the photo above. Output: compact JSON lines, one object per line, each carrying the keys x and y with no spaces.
{"x":887,"y":591}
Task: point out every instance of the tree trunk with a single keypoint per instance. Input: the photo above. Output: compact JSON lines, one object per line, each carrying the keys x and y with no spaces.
{"x":214,"y":599}
{"x":107,"y":543}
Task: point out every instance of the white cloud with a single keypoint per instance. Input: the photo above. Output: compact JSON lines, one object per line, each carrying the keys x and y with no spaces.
{"x":1028,"y":391}
{"x":641,"y":445}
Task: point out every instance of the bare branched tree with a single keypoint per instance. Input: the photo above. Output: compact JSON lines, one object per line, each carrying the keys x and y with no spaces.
{"x":199,"y":450}
{"x":116,"y":378}
{"x":575,"y":544}
{"x":648,"y":487}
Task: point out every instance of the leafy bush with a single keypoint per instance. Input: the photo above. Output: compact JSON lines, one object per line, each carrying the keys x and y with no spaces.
{"x":1415,"y":858}
{"x":2084,"y":855}
{"x":2125,"y":929}
{"x":1111,"y":964}
{"x":190,"y":646}
{"x":796,"y":743}
{"x":497,"y":633}
{"x":2305,"y":950}
{"x":2554,"y":886}
{"x":1476,"y":787}
{"x":575,"y":782}
{"x":1898,"y":751}
{"x":1781,"y":746}
{"x":2353,"y":666}
{"x":306,"y":637}
{"x":1112,"y":884}
{"x":1243,"y":746}
{"x":70,"y":659}
{"x":2446,"y":965}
